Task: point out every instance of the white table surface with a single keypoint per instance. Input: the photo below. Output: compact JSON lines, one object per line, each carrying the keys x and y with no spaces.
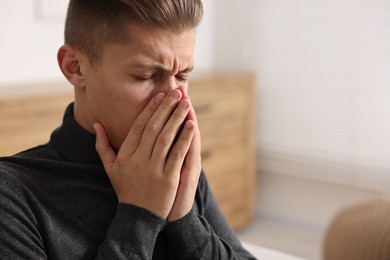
{"x":263,"y":253}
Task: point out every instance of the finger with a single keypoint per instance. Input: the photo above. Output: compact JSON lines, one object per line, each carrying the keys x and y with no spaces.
{"x":103,"y":146}
{"x":183,"y":91}
{"x":191,"y":115}
{"x":179,"y":150}
{"x":192,"y":163}
{"x":170,"y":131}
{"x":193,"y":159}
{"x":137,"y":129}
{"x":189,"y":178}
{"x":158,"y":120}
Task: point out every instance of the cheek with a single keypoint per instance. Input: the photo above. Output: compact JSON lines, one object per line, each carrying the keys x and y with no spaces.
{"x":130,"y":103}
{"x":123,"y":112}
{"x":124,"y":106}
{"x":138,"y":97}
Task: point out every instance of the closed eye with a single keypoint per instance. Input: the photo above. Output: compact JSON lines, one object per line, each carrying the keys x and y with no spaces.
{"x":143,"y":78}
{"x":183,"y":77}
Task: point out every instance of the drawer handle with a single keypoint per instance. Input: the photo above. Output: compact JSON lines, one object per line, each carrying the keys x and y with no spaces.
{"x":203,"y":109}
{"x":206,"y":155}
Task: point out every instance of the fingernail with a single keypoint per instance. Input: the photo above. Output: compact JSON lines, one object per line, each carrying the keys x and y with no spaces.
{"x":174,"y":94}
{"x":189,"y":125}
{"x":183,"y":104}
{"x":159,"y":97}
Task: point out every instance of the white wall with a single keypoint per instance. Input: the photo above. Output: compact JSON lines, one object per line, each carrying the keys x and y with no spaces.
{"x":204,"y":51}
{"x":323,"y":99}
{"x":323,"y":76}
{"x":28,"y":45}
{"x":236,"y":36}
{"x":32,"y":30}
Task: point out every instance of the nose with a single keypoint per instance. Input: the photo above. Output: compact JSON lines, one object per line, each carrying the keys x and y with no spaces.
{"x":169,"y":84}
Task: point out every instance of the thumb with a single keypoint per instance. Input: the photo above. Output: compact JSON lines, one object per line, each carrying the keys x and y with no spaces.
{"x":103,"y":146}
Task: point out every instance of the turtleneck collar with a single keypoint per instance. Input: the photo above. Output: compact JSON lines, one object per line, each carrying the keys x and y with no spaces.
{"x":73,"y":142}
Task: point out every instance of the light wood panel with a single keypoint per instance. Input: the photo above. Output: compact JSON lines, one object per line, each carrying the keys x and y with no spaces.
{"x":224,"y":104}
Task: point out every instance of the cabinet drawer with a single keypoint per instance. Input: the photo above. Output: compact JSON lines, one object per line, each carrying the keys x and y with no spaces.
{"x":221,"y":118}
{"x":29,"y":122}
{"x":216,"y":136}
{"x":229,"y":191}
{"x":228,"y":102}
{"x":223,"y":107}
{"x":222,"y":158}
{"x":227,"y":184}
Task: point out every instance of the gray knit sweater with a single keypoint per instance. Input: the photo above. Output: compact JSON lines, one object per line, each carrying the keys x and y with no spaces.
{"x":56,"y":202}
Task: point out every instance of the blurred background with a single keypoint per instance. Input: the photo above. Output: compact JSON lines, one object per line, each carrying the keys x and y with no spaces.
{"x":322,"y":98}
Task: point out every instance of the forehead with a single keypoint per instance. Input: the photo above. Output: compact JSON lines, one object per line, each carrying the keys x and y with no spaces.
{"x":147,"y":44}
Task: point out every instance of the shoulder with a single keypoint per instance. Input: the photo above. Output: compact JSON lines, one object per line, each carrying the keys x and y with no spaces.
{"x":20,"y":172}
{"x":24,"y":165}
{"x":18,"y":190}
{"x":10,"y":181}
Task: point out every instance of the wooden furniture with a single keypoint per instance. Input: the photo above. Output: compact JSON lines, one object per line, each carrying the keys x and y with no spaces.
{"x":224,"y":107}
{"x":29,"y":114}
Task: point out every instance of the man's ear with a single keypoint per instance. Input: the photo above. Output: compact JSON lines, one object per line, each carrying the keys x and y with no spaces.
{"x":70,"y":60}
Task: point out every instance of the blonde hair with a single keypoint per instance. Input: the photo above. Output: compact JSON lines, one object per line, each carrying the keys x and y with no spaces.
{"x":92,"y":24}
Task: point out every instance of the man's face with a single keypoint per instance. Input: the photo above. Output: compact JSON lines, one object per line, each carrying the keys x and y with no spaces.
{"x":129,"y":75}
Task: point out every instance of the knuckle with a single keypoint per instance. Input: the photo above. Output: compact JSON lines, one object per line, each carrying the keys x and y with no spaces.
{"x":166,"y":105}
{"x":122,"y":158}
{"x":164,"y":140}
{"x":138,"y":126}
{"x":185,"y":137}
{"x":177,"y":155}
{"x":178,"y":115}
{"x":151,"y":128}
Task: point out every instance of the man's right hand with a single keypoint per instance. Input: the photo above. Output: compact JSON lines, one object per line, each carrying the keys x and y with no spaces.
{"x":146,"y":170}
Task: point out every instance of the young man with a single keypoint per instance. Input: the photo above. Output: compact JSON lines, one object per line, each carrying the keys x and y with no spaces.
{"x":121,"y":178}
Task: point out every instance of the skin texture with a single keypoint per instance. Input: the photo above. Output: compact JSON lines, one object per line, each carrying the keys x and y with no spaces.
{"x":135,"y":100}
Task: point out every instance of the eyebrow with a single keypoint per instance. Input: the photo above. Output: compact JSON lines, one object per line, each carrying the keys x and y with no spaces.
{"x":160,"y":67}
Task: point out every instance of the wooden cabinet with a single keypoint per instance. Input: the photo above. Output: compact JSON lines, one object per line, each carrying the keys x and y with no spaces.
{"x":224,"y":108}
{"x":28,"y":114}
